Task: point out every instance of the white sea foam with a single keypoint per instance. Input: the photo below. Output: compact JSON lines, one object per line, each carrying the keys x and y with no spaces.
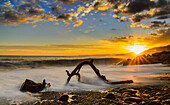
{"x":10,"y":81}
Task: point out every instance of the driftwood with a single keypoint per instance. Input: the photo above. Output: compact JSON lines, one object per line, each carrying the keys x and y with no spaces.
{"x":90,"y":63}
{"x":32,"y":86}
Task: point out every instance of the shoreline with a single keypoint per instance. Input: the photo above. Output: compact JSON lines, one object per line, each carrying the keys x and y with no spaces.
{"x":121,"y":95}
{"x":142,"y":95}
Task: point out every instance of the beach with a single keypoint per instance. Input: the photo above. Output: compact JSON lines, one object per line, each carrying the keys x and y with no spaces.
{"x":151,"y":77}
{"x":84,"y":52}
{"x":142,"y":95}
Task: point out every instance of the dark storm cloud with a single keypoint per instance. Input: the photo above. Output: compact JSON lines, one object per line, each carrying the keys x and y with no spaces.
{"x":139,"y":5}
{"x":152,"y":13}
{"x":163,"y":17}
{"x":156,"y":24}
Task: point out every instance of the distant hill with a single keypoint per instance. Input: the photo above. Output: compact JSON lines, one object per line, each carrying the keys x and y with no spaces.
{"x":157,"y":50}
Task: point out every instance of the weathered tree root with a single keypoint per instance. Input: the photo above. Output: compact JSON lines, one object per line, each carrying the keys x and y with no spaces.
{"x":90,"y":63}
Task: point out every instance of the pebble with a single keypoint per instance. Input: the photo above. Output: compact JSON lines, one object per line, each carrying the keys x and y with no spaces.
{"x":64,"y":98}
{"x":133,"y":99}
{"x":74,"y":97}
{"x":110,"y":96}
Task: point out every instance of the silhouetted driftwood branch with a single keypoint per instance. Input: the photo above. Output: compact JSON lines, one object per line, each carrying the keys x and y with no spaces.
{"x":90,"y":63}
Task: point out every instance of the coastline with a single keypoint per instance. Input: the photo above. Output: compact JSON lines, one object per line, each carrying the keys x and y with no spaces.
{"x":142,"y":95}
{"x":122,"y":95}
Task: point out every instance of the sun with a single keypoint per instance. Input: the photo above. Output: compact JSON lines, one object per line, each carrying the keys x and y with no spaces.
{"x":136,"y":48}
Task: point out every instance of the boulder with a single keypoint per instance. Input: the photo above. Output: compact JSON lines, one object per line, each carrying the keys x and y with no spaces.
{"x":32,"y":86}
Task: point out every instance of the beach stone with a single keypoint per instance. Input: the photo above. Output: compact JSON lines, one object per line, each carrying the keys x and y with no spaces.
{"x":110,"y":96}
{"x":133,"y":99}
{"x":155,"y":103}
{"x":121,"y":90}
{"x":74,"y":97}
{"x":166,"y":102}
{"x":132,"y":91}
{"x":74,"y":101}
{"x":64,"y":98}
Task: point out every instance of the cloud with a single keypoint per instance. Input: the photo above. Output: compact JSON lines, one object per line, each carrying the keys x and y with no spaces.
{"x":87,"y":31}
{"x":56,"y":9}
{"x":152,"y":13}
{"x":101,"y":7}
{"x":34,"y":26}
{"x":65,"y":16}
{"x":35,"y":11}
{"x":153,"y":34}
{"x":68,"y":2}
{"x":162,"y":37}
{"x":13,"y":13}
{"x":53,"y":50}
{"x":77,"y":23}
{"x":139,"y":5}
{"x":25,"y":6}
{"x":154,"y":25}
{"x":121,"y":19}
{"x":120,"y":39}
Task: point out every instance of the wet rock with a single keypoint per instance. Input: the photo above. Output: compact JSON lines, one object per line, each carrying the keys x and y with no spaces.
{"x":110,"y":96}
{"x":155,"y":103}
{"x":166,"y":102}
{"x":74,"y":97}
{"x":64,"y":98}
{"x":121,"y":90}
{"x":133,"y":99}
{"x":74,"y":101}
{"x":132,"y":91}
{"x":32,"y":86}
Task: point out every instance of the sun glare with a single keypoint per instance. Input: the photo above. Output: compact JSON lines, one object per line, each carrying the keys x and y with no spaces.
{"x":136,"y":48}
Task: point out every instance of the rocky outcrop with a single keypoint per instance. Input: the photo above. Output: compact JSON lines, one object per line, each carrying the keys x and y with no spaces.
{"x":162,"y":57}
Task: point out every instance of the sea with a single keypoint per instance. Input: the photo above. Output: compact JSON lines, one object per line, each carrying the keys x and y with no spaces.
{"x":12,"y":79}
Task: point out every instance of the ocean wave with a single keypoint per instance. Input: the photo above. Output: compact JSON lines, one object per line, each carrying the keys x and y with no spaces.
{"x":18,"y":64}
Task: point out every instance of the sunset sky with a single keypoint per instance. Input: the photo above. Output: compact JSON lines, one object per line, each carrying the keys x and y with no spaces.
{"x":82,"y":27}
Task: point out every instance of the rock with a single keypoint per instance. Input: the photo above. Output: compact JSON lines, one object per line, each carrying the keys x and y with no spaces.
{"x":132,"y":91}
{"x":74,"y":97}
{"x":155,"y":103}
{"x":64,"y":98}
{"x":133,"y":99}
{"x":32,"y":86}
{"x":121,"y":90}
{"x":110,"y":96}
{"x":166,"y":102}
{"x":74,"y":101}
